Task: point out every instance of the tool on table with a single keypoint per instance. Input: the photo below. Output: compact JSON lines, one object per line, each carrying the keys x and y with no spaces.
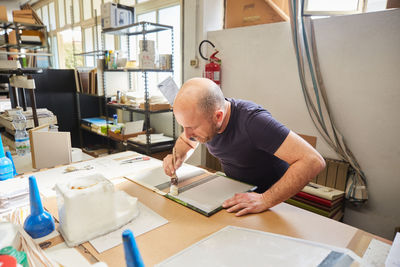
{"x":135,"y":159}
{"x":173,"y":190}
{"x":74,"y":169}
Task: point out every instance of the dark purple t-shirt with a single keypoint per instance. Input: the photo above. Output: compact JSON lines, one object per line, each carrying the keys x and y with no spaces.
{"x":246,"y":147}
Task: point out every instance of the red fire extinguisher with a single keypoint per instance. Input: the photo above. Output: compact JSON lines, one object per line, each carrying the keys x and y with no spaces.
{"x":213,"y":68}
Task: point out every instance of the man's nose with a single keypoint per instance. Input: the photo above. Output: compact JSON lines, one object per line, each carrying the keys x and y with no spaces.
{"x":188,"y":133}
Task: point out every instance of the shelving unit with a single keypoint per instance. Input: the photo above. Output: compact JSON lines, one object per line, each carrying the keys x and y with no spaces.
{"x":141,"y":29}
{"x":6,"y":27}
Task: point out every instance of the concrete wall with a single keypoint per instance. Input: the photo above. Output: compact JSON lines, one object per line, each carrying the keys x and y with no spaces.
{"x":360,"y":61}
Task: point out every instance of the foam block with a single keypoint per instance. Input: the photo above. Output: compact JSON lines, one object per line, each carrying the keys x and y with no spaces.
{"x":89,"y":207}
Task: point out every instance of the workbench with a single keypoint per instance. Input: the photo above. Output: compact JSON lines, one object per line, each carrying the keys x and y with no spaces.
{"x":186,"y":227}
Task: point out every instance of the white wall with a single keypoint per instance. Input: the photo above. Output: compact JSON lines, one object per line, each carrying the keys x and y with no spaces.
{"x":200,"y":16}
{"x":360,"y":62}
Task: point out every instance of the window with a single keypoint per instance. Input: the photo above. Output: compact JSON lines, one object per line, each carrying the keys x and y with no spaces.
{"x":52,"y":13}
{"x":89,"y":61}
{"x":54,"y":48}
{"x":68,"y":9}
{"x":61,"y":13}
{"x":87,"y":9}
{"x":97,"y":7}
{"x":45,"y":17}
{"x":341,"y":7}
{"x":76,"y":8}
{"x":69,"y":42}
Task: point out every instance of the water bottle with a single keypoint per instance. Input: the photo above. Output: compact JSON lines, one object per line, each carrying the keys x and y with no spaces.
{"x":22,"y":145}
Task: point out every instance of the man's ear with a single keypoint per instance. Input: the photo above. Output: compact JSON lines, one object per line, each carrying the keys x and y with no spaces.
{"x":219,"y":115}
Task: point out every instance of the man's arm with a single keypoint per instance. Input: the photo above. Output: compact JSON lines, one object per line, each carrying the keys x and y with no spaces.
{"x":184,"y":149}
{"x":305,"y":164}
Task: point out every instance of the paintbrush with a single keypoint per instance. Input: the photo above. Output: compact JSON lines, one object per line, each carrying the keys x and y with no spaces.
{"x":173,"y":190}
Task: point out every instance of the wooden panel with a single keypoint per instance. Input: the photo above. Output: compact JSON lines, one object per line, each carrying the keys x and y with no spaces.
{"x":342,"y":176}
{"x":321,"y":178}
{"x":331,"y":174}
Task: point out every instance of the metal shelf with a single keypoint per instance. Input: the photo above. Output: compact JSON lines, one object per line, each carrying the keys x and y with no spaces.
{"x":137,"y":70}
{"x":151,"y":148}
{"x":142,"y":28}
{"x":138,"y":28}
{"x":91,"y":53}
{"x":137,"y":110}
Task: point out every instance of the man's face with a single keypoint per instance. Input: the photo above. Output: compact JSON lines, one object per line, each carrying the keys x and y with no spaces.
{"x":197,"y":127}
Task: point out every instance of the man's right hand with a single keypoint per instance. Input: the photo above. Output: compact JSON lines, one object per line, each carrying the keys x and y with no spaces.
{"x":168,"y":164}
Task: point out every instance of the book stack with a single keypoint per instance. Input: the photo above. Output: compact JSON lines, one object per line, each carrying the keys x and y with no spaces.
{"x":326,"y":201}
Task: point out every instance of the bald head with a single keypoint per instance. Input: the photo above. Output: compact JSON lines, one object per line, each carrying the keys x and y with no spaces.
{"x":200,"y":93}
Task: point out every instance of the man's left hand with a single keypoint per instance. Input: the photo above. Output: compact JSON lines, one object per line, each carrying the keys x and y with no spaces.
{"x":245,"y":203}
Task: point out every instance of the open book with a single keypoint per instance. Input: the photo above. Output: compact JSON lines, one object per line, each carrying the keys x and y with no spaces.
{"x":198,"y":189}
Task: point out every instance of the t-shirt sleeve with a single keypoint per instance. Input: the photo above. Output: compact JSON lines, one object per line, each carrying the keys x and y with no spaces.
{"x":265,"y":132}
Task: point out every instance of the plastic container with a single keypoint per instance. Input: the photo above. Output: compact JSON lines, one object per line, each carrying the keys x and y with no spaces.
{"x":22,"y":145}
{"x":6,"y":165}
{"x":115,"y":119}
{"x":20,"y":256}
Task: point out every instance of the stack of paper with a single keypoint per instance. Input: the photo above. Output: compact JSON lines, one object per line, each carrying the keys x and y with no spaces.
{"x":14,"y":193}
{"x":137,"y":98}
{"x":154,"y":138}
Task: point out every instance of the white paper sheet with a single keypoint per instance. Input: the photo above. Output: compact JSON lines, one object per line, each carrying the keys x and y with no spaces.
{"x":154,"y":176}
{"x":236,"y":246}
{"x":169,"y":89}
{"x":67,"y":257}
{"x":133,"y":127}
{"x":393,"y":259}
{"x":375,"y":254}
{"x":147,"y":221}
{"x":110,"y":166}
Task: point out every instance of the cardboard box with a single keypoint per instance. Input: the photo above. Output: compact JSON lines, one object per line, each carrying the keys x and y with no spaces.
{"x":12,"y":37}
{"x":146,"y":60}
{"x":3,"y":13}
{"x":240,"y":13}
{"x":115,"y":15}
{"x":156,"y":107}
{"x":123,"y":137}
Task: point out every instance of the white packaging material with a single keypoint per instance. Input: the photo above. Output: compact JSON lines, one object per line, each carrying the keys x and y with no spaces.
{"x":88,"y":207}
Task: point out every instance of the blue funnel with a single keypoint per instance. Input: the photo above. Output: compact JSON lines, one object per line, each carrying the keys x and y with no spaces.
{"x":40,"y":223}
{"x":6,"y":166}
{"x":132,"y":254}
{"x":8,"y":155}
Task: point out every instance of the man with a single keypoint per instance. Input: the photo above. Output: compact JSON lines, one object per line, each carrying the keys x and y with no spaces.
{"x":252,"y":146}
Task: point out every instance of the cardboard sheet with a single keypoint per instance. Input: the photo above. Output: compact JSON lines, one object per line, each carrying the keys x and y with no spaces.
{"x":50,"y":149}
{"x":207,"y":195}
{"x":147,"y":221}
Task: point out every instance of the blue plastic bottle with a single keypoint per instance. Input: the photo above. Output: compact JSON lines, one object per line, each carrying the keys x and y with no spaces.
{"x":6,"y":165}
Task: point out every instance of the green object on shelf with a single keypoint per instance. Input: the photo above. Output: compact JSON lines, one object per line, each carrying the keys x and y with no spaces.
{"x":20,"y":256}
